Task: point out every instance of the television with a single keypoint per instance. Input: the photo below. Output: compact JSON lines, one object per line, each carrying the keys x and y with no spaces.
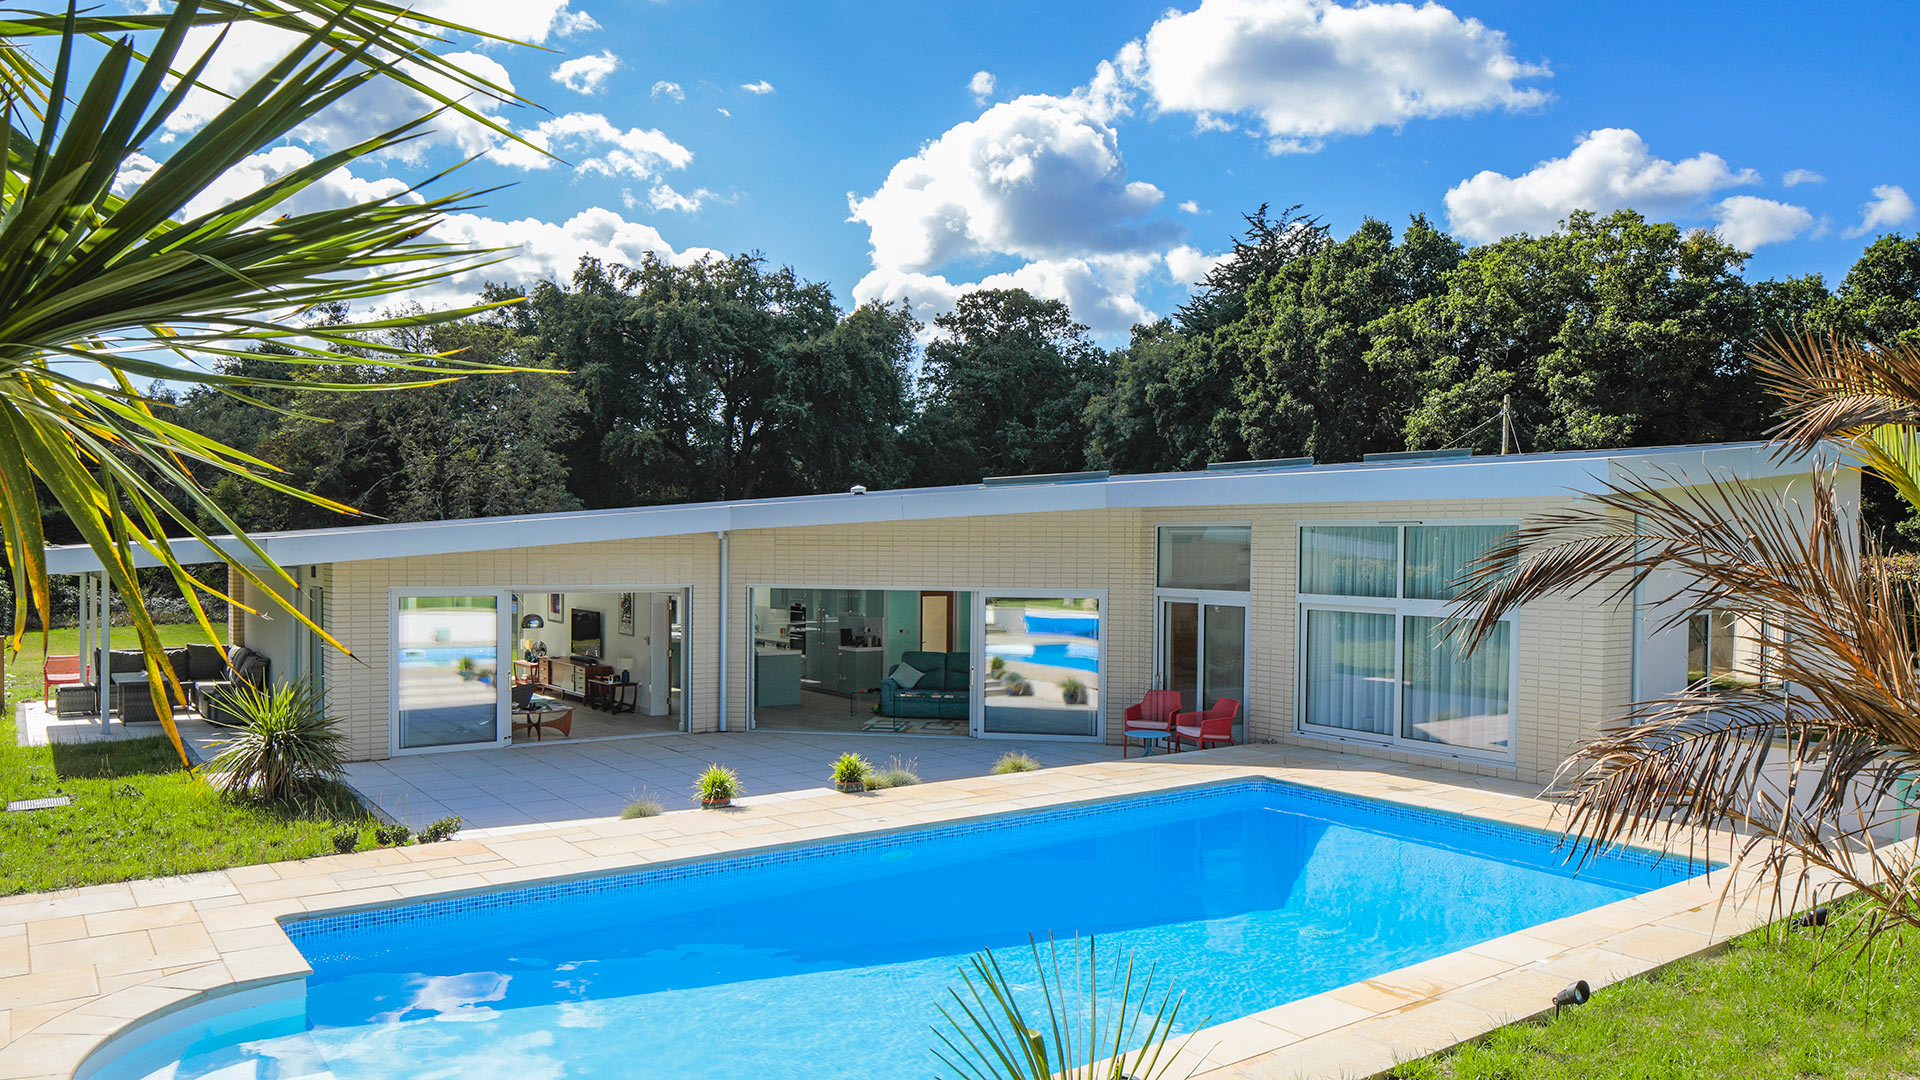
{"x":586,"y":633}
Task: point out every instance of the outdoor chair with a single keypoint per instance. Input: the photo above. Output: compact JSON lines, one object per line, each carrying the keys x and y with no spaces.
{"x":58,"y":671}
{"x":1210,"y":728}
{"x":1152,"y":716}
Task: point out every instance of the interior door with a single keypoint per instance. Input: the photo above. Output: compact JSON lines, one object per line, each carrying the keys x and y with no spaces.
{"x":936,"y":622}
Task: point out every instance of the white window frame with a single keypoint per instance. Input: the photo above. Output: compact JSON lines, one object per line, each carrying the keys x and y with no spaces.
{"x":1401,"y":607}
{"x":978,"y":724}
{"x":502,"y":716}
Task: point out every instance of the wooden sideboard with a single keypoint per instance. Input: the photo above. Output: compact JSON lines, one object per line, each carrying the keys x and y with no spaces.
{"x":564,"y":675}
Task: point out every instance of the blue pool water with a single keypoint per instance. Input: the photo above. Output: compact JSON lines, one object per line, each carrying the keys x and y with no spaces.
{"x":1077,"y":625}
{"x":828,"y":962}
{"x":1079,"y":655}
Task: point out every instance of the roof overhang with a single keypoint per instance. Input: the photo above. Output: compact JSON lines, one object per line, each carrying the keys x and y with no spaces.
{"x":1516,"y":476}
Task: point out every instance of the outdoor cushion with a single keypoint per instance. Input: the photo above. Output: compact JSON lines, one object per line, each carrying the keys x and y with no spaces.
{"x":177,"y":659}
{"x":121,"y":661}
{"x":906,"y":676}
{"x":205,"y":662}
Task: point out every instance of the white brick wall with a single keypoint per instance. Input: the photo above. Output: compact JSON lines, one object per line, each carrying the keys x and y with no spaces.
{"x":1574,"y":655}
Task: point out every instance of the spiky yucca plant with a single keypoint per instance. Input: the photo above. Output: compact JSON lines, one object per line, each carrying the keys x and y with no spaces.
{"x":285,"y":743}
{"x":1099,"y":1026}
{"x":1802,"y":765}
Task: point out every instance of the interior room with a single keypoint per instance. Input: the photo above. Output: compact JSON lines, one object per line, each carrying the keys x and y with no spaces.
{"x":877,"y":661}
{"x":591,"y":665}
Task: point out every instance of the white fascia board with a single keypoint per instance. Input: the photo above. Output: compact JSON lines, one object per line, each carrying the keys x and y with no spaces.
{"x":1462,"y":478}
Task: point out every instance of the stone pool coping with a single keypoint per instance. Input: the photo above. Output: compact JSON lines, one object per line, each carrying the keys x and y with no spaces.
{"x":85,"y":967}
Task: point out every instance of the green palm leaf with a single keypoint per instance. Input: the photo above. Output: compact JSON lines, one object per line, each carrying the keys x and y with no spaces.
{"x":133,"y":284}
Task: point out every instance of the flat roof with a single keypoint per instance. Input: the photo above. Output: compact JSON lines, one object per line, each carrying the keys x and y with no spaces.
{"x":1508,"y":476}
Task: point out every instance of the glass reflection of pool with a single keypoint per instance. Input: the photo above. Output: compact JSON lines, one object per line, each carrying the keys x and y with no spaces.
{"x":827,"y":962}
{"x":1079,"y":655}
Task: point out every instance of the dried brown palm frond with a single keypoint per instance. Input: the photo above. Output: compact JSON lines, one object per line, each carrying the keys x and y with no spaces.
{"x":1866,"y":397}
{"x":1802,"y":768}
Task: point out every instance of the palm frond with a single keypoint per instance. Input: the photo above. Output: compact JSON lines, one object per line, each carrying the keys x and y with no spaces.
{"x":1804,"y":766}
{"x":124,"y":281}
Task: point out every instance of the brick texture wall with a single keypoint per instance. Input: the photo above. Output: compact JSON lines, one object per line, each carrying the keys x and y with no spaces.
{"x":1574,"y":655}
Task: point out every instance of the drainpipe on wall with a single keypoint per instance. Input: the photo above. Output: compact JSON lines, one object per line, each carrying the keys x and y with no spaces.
{"x":720,"y":706}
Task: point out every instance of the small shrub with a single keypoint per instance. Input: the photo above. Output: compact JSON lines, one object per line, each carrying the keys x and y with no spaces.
{"x":346,"y":840}
{"x":1073,"y":691}
{"x":996,"y":666}
{"x":285,"y":743}
{"x":395,"y":835}
{"x":640,"y":808}
{"x":851,"y":769}
{"x":717,"y":784}
{"x":1017,"y":684}
{"x":442,"y":829}
{"x":1014,"y":761}
{"x":897,"y":774}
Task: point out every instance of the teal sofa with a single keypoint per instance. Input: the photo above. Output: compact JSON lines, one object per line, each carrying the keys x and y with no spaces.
{"x":941,"y":694}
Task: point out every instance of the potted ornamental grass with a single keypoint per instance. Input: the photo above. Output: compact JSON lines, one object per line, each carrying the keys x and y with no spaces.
{"x":717,"y":787}
{"x":850,"y":773}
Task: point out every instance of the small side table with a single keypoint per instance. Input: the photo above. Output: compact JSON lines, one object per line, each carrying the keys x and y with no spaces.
{"x":868,"y":698}
{"x":613,"y":695}
{"x":1147,"y":740}
{"x":136,"y":703}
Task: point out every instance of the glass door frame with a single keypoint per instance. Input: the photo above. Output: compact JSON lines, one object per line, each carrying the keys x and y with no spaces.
{"x":977,"y":715}
{"x":502,"y":702}
{"x":1204,"y":599}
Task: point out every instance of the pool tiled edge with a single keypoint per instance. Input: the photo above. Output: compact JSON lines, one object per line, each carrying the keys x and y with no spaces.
{"x":80,"y":966}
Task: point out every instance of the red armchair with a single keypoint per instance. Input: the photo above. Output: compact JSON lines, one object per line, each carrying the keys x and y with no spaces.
{"x":58,"y":671}
{"x":1154,"y":715}
{"x":1210,"y":728}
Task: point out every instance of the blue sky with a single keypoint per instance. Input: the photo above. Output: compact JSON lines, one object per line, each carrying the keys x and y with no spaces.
{"x":1109,"y":156}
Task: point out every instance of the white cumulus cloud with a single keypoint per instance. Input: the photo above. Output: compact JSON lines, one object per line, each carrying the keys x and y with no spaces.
{"x":1191,"y":266}
{"x":1748,"y":221}
{"x":1189,"y":207}
{"x":981,"y":86}
{"x":585,"y":74}
{"x":1890,"y":207}
{"x":1796,"y":177}
{"x":761,"y":87}
{"x":1099,"y":290}
{"x":661,"y":196}
{"x":1311,"y":69}
{"x":594,"y":145}
{"x":1038,"y":177}
{"x":663,"y":88}
{"x":1609,"y":169}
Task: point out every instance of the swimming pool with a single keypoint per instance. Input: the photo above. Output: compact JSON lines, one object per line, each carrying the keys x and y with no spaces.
{"x":827,"y":961}
{"x":1081,"y":656}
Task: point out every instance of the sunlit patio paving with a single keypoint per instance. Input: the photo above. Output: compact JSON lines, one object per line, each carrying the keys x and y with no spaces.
{"x":540,"y":784}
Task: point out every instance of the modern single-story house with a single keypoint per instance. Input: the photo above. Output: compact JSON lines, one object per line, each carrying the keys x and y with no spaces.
{"x":1039,"y":606}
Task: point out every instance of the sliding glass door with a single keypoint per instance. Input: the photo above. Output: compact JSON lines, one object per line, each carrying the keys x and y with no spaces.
{"x":1202,"y":652}
{"x":1043,"y":659}
{"x":447,"y":670}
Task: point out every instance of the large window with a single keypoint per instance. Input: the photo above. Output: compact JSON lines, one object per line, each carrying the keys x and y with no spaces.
{"x":1380,"y":659}
{"x":1215,"y":557}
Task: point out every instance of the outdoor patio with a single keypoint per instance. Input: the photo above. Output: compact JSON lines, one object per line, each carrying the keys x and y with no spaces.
{"x":568,"y":781}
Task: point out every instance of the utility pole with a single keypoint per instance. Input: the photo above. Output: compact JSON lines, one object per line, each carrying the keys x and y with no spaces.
{"x":1506,"y":423}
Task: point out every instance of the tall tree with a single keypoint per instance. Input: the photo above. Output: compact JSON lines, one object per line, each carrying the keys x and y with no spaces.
{"x":713,"y":380}
{"x":1004,"y":386}
{"x":1613,"y":331}
{"x":1879,"y":301}
{"x":1312,"y":381}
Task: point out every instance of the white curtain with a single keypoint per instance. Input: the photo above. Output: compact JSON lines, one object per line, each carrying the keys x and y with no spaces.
{"x":1438,"y":554}
{"x":1453,"y":698}
{"x":1350,"y":670}
{"x":1349,"y":560}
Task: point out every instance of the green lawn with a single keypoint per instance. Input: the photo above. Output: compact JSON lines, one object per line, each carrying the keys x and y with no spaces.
{"x":1753,"y":1012}
{"x":136,"y":812}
